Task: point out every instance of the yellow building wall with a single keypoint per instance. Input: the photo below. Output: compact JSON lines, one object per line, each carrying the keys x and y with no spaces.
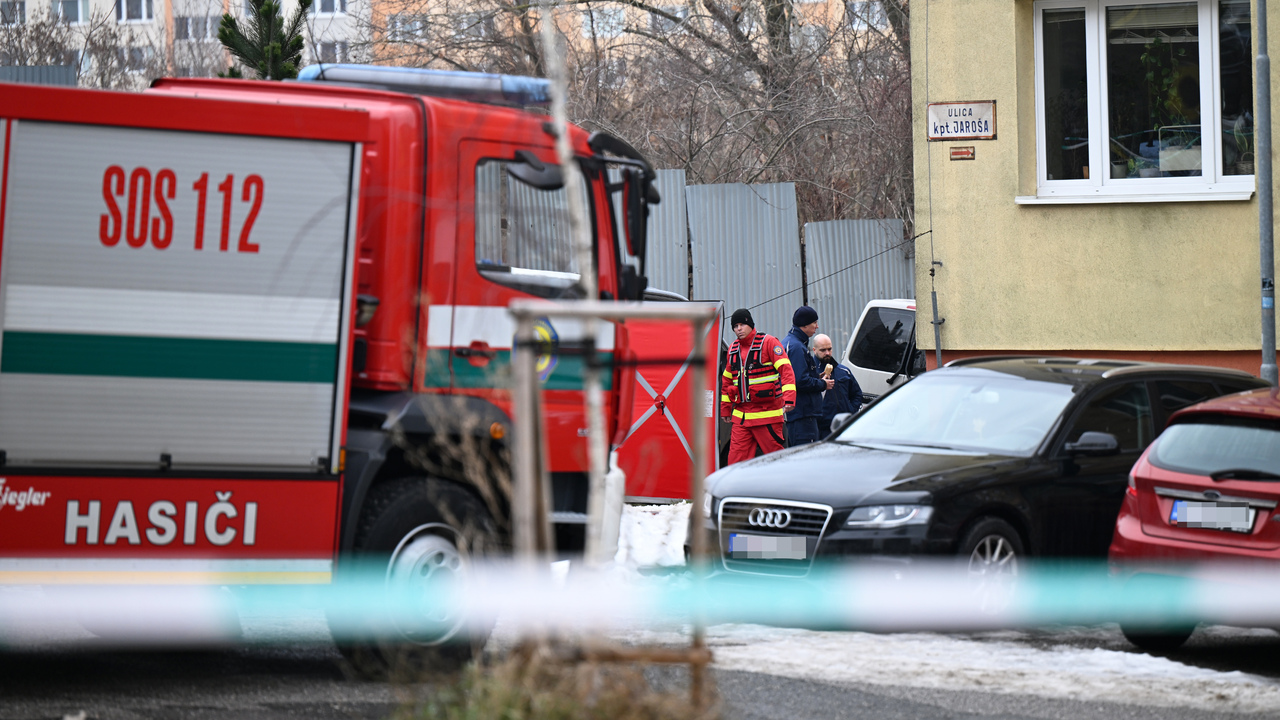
{"x":1171,"y":277}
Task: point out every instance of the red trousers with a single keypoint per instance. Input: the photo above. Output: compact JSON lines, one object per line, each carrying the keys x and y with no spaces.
{"x":743,"y":441}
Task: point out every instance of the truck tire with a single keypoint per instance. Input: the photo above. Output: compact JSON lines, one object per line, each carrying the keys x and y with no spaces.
{"x":411,"y":530}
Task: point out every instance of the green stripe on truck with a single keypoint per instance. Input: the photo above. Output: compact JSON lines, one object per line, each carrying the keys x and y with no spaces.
{"x":40,"y":353}
{"x":566,"y":375}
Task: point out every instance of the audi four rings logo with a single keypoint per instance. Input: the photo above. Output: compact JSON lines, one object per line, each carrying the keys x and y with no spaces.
{"x":769,"y":517}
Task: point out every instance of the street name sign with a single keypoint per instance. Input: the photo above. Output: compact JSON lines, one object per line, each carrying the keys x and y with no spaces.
{"x":972,"y":120}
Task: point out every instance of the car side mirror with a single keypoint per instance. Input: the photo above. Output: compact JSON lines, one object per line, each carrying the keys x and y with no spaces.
{"x":1094,"y":443}
{"x":839,"y":420}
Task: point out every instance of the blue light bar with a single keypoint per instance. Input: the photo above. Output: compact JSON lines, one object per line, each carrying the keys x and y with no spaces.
{"x":477,"y":87}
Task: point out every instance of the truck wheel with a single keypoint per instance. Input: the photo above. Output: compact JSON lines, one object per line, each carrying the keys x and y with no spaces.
{"x":991,"y":549}
{"x":413,"y":532}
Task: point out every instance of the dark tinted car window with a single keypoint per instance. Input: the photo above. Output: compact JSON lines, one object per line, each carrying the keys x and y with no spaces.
{"x":1177,"y":394}
{"x":882,"y":339}
{"x":970,"y":409}
{"x":1124,"y":412}
{"x":1204,"y":448}
{"x":1228,"y":388}
{"x":917,"y":363}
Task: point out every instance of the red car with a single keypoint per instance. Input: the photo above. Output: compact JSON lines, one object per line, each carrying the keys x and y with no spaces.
{"x":1205,"y":491}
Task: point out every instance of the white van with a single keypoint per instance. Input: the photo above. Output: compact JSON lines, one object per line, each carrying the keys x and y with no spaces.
{"x":882,"y":350}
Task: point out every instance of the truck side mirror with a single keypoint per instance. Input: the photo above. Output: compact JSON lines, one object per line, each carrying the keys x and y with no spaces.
{"x":636,"y":192}
{"x":531,"y":171}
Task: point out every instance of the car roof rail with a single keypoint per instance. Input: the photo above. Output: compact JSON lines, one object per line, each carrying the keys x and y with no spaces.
{"x":1150,"y":366}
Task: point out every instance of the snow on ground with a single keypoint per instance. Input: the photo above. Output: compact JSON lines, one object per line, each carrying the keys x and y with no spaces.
{"x":930,"y":660}
{"x":990,"y":662}
{"x":652,"y":535}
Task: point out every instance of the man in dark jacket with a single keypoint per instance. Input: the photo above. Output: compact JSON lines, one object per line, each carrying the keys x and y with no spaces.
{"x":846,"y":396}
{"x":802,"y":420}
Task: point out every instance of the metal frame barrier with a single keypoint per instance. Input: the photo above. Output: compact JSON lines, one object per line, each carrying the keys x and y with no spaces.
{"x":531,"y":495}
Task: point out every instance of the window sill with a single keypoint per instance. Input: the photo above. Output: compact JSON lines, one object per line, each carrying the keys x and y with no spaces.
{"x":1221,"y":192}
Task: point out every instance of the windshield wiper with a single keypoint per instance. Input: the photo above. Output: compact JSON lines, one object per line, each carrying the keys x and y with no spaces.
{"x":1244,"y":474}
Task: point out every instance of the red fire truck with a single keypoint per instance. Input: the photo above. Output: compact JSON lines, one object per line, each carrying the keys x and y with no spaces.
{"x":253,"y":329}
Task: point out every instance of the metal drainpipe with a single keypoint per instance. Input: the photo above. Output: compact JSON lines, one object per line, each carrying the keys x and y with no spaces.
{"x":937,"y":323}
{"x":1266,"y":229}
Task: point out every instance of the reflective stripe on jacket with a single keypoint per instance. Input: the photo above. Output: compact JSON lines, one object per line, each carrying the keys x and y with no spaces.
{"x":757,"y":385}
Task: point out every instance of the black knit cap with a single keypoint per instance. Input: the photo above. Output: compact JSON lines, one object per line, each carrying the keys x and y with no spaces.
{"x":805,"y":315}
{"x":742,"y":315}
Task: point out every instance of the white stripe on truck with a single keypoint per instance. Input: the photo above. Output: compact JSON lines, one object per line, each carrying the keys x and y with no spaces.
{"x":163,"y":313}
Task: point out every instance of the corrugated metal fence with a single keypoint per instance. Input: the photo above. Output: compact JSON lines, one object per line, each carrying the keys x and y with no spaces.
{"x":743,"y":241}
{"x":745,"y":245}
{"x":849,"y":262}
{"x":746,"y":250}
{"x":39,"y":74}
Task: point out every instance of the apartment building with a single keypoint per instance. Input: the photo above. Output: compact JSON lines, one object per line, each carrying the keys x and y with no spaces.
{"x":1108,"y":208}
{"x":125,"y":43}
{"x":414,"y":31}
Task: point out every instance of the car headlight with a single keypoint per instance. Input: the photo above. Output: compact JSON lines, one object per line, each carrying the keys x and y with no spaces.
{"x":882,"y":516}
{"x":706,"y":505}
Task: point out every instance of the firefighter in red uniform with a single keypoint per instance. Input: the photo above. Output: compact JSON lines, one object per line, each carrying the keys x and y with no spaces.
{"x":757,"y":388}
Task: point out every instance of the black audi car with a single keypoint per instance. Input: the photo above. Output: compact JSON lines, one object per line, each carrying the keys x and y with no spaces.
{"x":987,"y":458}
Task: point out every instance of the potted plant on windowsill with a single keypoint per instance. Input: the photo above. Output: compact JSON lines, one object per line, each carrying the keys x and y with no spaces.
{"x":1175,"y":122}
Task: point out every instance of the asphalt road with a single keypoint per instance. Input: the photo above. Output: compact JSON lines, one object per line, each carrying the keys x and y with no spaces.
{"x":306,"y":680}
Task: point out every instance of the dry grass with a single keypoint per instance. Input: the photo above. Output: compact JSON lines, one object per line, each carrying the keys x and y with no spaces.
{"x":538,"y":684}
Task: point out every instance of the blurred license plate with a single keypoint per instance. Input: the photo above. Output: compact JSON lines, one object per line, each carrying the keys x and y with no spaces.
{"x":766,"y":547}
{"x":1214,"y":516}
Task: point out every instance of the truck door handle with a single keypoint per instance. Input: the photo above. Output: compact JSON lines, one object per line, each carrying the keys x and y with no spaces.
{"x":478,"y":353}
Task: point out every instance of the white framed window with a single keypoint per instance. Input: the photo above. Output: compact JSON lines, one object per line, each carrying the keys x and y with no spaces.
{"x":13,"y":13}
{"x":865,"y":14}
{"x":134,"y":11}
{"x":331,"y":52}
{"x":1143,"y":101}
{"x":613,"y":72}
{"x":474,"y":25}
{"x":604,"y":22}
{"x":662,"y":25}
{"x":328,"y":7}
{"x":67,"y":11}
{"x":813,"y":38}
{"x":406,"y":27}
{"x":195,"y":27}
{"x":134,"y":60}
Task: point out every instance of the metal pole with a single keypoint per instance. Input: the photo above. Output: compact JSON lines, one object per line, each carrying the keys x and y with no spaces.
{"x":1266,"y":228}
{"x":699,"y":540}
{"x":580,"y":231}
{"x":937,"y":329}
{"x":526,"y":463}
